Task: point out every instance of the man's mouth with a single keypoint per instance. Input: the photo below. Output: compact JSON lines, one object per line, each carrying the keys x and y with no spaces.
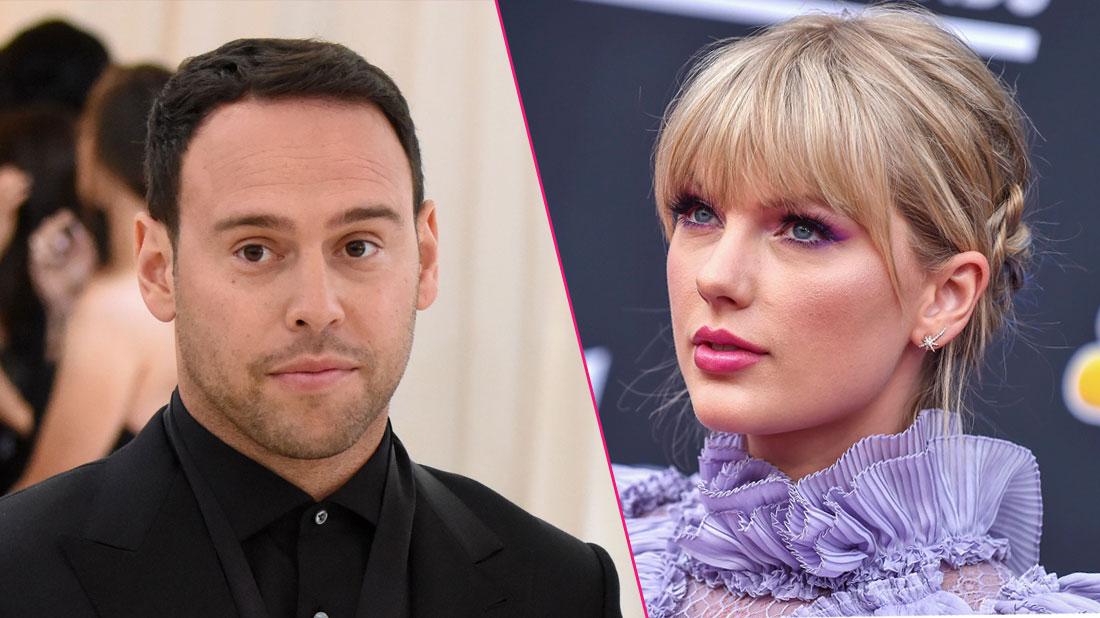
{"x":313,"y":373}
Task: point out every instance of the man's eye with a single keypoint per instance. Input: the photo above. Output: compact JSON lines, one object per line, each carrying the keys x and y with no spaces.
{"x":254,"y":253}
{"x":360,"y":248}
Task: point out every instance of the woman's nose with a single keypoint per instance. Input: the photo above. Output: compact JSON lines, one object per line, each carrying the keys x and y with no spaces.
{"x":728,"y":271}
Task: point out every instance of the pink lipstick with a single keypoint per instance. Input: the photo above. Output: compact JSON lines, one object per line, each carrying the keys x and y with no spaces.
{"x":720,"y":351}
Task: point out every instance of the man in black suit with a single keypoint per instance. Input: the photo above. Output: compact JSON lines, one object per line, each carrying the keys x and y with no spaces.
{"x":289,"y":240}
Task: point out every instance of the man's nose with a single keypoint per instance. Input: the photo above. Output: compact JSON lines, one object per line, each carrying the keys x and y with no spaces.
{"x":315,"y":302}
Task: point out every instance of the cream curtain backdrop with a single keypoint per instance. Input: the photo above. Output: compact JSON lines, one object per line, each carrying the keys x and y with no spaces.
{"x":495,"y":388}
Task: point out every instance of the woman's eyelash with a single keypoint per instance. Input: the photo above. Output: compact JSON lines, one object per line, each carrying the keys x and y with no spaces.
{"x":823,"y":229}
{"x":685,"y":205}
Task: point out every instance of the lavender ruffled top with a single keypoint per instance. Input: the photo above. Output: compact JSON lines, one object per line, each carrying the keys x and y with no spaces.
{"x":879,"y":531}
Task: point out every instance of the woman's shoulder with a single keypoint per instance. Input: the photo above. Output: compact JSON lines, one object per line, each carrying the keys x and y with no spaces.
{"x":110,"y":299}
{"x":1033,"y":592}
{"x":983,"y":588}
{"x":643,"y":489}
{"x":111,"y":305}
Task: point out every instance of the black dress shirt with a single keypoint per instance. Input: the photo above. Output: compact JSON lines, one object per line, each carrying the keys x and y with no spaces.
{"x":308,"y":558}
{"x":141,"y":533}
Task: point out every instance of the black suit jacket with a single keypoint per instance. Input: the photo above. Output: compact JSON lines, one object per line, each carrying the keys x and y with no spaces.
{"x":124,"y":537}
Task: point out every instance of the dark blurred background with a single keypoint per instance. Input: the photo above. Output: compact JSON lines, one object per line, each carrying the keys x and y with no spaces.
{"x":595,"y":78}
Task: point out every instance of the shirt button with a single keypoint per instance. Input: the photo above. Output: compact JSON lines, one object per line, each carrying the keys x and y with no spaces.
{"x":320,"y":614}
{"x":320,"y":518}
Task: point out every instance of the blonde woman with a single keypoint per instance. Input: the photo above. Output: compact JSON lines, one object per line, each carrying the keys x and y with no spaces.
{"x":843,"y":201}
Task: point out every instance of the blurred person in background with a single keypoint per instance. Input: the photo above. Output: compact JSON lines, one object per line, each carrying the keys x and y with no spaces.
{"x":51,"y":63}
{"x":55,"y":64}
{"x":46,"y":256}
{"x":118,"y":362}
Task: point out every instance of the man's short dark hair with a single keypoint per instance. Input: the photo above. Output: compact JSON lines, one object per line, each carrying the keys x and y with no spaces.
{"x":265,"y":69}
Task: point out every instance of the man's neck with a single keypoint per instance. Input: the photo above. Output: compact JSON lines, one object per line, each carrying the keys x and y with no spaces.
{"x":319,"y":478}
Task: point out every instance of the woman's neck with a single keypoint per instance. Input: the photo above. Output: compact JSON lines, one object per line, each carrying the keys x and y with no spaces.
{"x":120,"y":231}
{"x":801,"y":453}
{"x":805,"y":451}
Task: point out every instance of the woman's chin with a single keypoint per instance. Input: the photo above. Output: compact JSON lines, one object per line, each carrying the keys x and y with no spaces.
{"x":743,"y":413}
{"x":728,"y":414}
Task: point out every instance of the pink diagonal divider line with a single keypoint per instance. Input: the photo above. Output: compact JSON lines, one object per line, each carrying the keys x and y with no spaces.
{"x":569,"y":300}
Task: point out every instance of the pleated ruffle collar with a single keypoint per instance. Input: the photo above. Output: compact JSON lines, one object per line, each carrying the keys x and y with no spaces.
{"x":891,"y":506}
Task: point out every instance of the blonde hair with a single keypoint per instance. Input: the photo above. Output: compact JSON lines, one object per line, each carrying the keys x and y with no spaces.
{"x":879,"y":110}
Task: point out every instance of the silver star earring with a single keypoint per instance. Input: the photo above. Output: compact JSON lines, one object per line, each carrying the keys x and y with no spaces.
{"x":929,"y":342}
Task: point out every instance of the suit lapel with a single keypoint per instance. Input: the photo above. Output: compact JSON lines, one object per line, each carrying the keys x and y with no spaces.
{"x":451,"y":556}
{"x":146,"y":550}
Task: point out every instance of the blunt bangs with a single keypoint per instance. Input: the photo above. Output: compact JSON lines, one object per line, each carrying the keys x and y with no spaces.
{"x":781,"y":120}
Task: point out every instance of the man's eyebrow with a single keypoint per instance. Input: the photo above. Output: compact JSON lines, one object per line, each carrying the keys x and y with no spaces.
{"x":364,"y":213}
{"x":267,"y":221}
{"x":352,"y":215}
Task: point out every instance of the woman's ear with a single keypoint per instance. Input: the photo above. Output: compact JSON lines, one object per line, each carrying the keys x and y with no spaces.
{"x":154,"y":252}
{"x":950,"y":294}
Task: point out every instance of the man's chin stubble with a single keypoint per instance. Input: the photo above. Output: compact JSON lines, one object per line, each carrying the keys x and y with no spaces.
{"x":289,"y":444}
{"x":293,"y":441}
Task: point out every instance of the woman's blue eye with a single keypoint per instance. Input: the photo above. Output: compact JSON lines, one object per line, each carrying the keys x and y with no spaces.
{"x":701,"y":215}
{"x":691,"y":211}
{"x":805,"y":230}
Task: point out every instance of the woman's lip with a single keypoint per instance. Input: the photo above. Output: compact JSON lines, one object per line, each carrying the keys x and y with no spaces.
{"x":711,"y":360}
{"x":722,"y":337}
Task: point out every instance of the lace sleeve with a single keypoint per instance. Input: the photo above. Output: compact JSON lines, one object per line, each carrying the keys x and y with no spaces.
{"x":972,"y":583}
{"x":975,"y":583}
{"x":702,"y":601}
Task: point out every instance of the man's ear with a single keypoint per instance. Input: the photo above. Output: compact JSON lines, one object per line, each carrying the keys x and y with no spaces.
{"x":428,"y":241}
{"x":950,"y":294}
{"x":154,"y":254}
